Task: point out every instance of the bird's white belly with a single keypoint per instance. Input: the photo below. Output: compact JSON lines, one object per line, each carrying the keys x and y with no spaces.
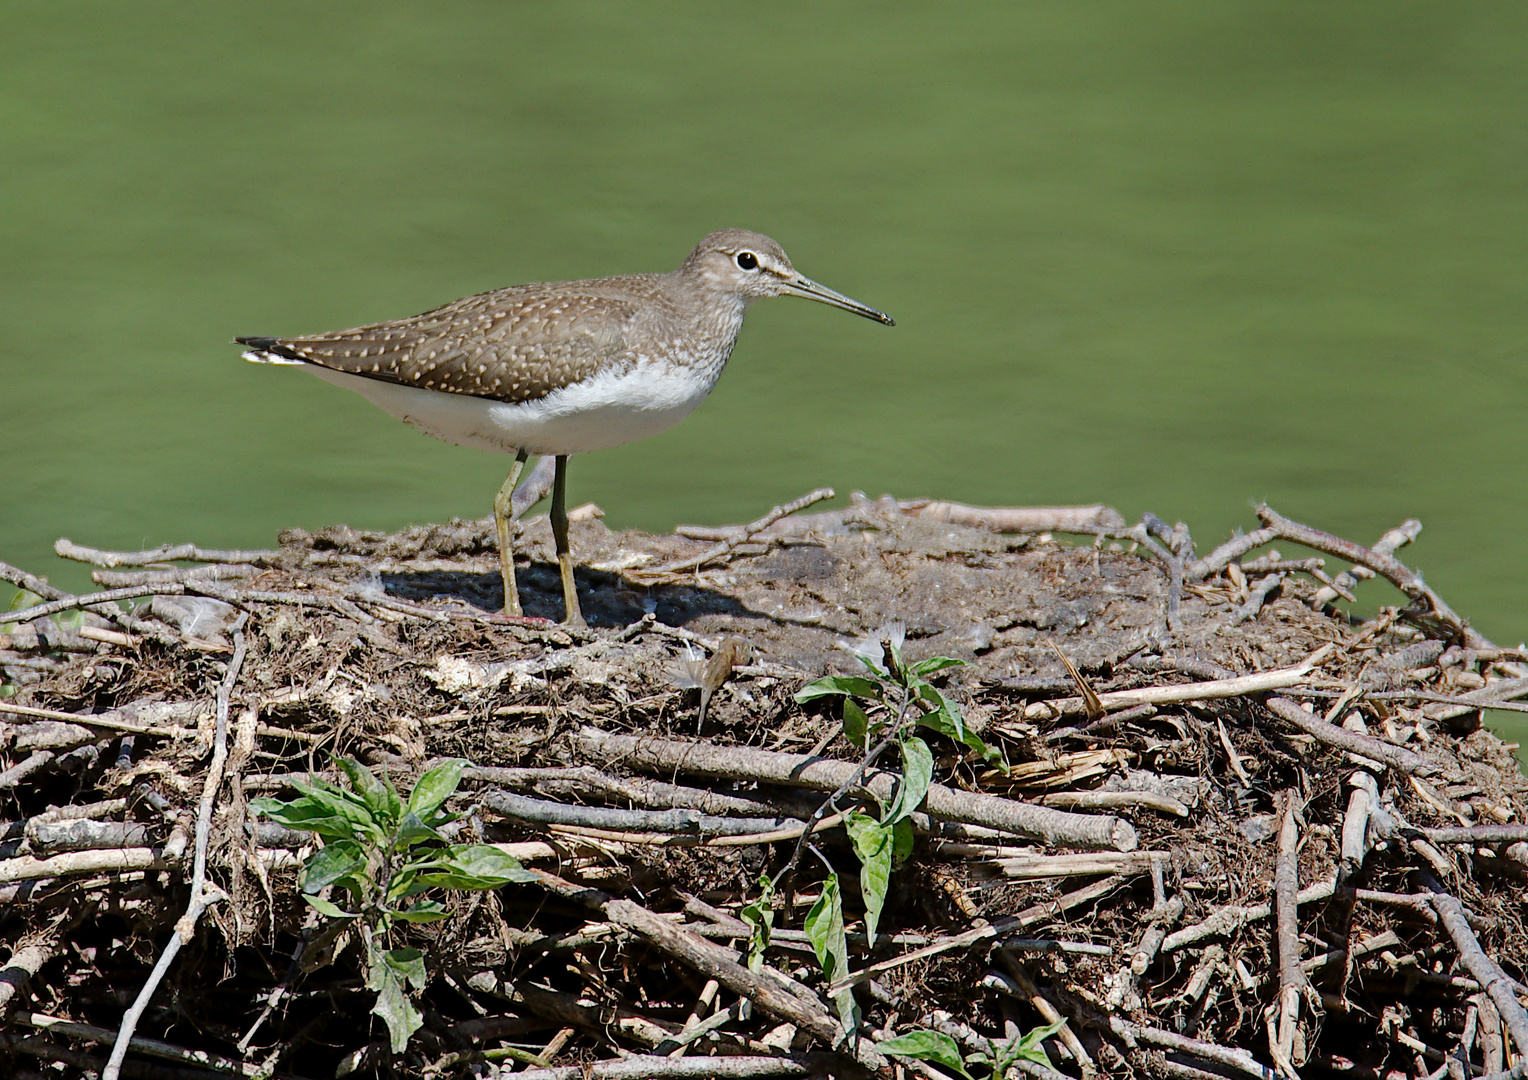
{"x":603,"y":411}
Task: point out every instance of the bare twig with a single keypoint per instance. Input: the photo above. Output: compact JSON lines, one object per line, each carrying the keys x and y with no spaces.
{"x":1383,"y":564}
{"x":1285,"y":889}
{"x":1396,"y":757}
{"x":65,"y":548}
{"x":200,"y":895}
{"x":725,"y":548}
{"x":1277,"y":679}
{"x":1491,"y":978}
{"x":1056,"y":826}
{"x":1234,"y":916}
{"x":997,"y":928}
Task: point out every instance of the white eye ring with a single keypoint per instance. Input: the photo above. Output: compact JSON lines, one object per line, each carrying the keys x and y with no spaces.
{"x":747,"y":260}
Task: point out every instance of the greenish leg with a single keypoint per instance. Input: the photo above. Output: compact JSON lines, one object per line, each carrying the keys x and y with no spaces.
{"x":571,"y":613}
{"x":504,"y":524}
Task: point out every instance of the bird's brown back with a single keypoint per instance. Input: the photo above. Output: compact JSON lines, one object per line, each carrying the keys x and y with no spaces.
{"x":516,"y":344}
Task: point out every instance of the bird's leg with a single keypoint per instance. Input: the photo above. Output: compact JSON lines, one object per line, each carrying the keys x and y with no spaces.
{"x":503,"y":523}
{"x":571,"y":613}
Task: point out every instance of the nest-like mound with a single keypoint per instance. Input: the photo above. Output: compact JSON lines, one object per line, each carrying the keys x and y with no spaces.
{"x":1226,"y":829}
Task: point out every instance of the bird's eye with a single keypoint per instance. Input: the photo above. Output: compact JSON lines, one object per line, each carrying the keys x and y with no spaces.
{"x":747,"y":260}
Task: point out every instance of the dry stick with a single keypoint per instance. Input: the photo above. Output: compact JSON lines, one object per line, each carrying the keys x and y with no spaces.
{"x":714,"y":962}
{"x":25,"y":963}
{"x":13,"y":776}
{"x":1020,"y":975}
{"x":689,"y":822}
{"x":110,"y":722}
{"x":1286,"y":887}
{"x":736,"y":762}
{"x":1234,"y":916}
{"x":1396,"y":538}
{"x":1491,"y":978}
{"x":1035,"y":913}
{"x":117,"y":579}
{"x":1238,"y":1059}
{"x":1396,"y":757}
{"x":643,"y":1066}
{"x":586,"y":780}
{"x":1150,"y":525}
{"x":1383,"y":564}
{"x":86,"y":600}
{"x":1259,"y":682}
{"x":695,"y":562}
{"x":1017,"y":519}
{"x":200,"y":898}
{"x":1111,"y":800}
{"x":1478,"y":834}
{"x":32,"y":583}
{"x":65,"y":548}
{"x":1226,"y":553}
{"x":110,"y":861}
{"x":149,"y":1047}
{"x":1256,"y":596}
{"x":1488,"y":1035}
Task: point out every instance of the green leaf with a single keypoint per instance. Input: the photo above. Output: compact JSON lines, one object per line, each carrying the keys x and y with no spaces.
{"x":473,"y":867}
{"x":835,"y":685}
{"x":332,"y":863}
{"x":379,"y":796}
{"x":412,"y":832}
{"x":946,"y":719}
{"x":409,"y":964}
{"x":334,"y":911}
{"x":70,"y":620}
{"x":924,"y":668}
{"x":760,"y":916}
{"x":435,"y":787}
{"x":825,"y":930}
{"x":323,"y":798}
{"x":856,"y":724}
{"x":901,"y":841}
{"x":425,"y":911}
{"x":1029,"y":1049}
{"x":917,"y":774}
{"x":872,"y":844}
{"x":393,"y":1005}
{"x":310,"y":815}
{"x":925,"y":1045}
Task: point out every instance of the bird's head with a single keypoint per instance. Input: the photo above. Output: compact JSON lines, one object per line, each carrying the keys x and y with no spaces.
{"x":737,"y":262}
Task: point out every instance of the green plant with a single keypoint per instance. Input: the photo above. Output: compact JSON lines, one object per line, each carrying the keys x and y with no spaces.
{"x":380,"y":854}
{"x":885,"y":707}
{"x":898,"y":699}
{"x":999,"y":1056}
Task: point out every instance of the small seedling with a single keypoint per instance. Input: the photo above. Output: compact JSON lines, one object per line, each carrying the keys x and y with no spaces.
{"x":884,"y":707}
{"x":380,"y":855}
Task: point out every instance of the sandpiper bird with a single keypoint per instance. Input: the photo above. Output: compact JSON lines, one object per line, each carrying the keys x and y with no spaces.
{"x":559,"y":368}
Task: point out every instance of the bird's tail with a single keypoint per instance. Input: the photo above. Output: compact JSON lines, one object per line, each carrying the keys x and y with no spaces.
{"x":268,"y":350}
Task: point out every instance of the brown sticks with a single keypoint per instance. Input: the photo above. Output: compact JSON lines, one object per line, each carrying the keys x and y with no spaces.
{"x":1010,"y":815}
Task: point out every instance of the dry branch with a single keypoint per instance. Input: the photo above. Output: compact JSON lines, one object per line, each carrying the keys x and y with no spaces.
{"x":742,"y":763}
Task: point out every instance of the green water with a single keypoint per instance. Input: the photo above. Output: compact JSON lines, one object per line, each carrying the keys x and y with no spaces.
{"x":1169,"y":256}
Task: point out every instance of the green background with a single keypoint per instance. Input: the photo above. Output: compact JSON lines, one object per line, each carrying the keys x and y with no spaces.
{"x":1169,"y":256}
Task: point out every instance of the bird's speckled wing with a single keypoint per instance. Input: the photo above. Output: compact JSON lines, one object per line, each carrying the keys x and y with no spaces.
{"x":512,"y":345}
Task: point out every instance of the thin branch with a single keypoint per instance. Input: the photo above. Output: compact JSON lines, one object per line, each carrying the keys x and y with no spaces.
{"x":65,"y":548}
{"x":200,"y":895}
{"x":725,"y":548}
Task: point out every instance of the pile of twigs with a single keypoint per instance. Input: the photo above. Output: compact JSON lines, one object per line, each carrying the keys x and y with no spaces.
{"x":1226,"y":829}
